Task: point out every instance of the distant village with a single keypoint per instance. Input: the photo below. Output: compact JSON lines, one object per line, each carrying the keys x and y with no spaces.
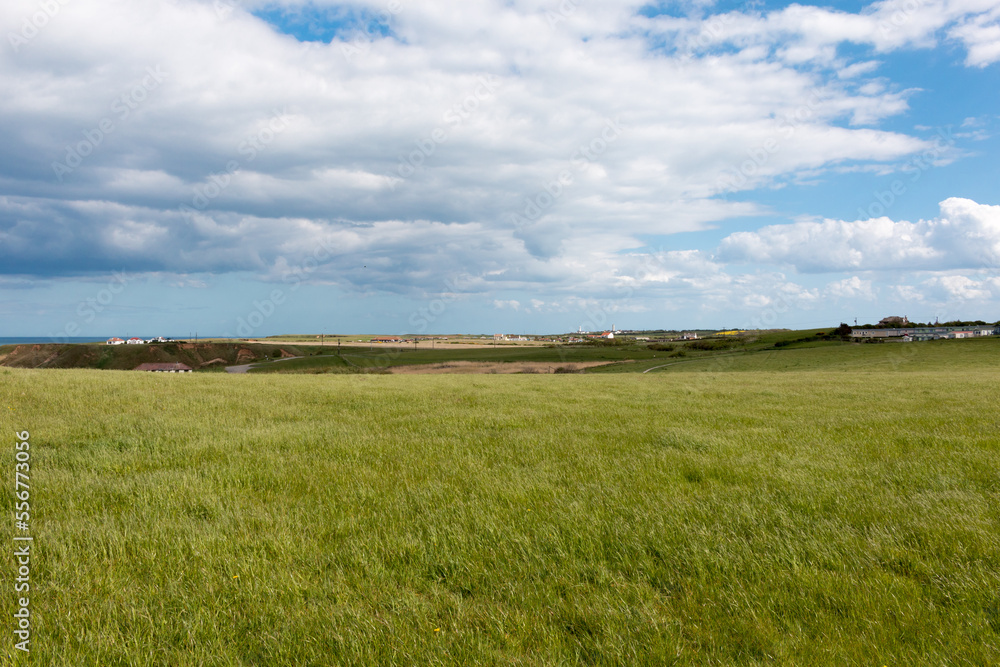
{"x":894,"y":327}
{"x":139,"y":341}
{"x":579,"y":337}
{"x":153,"y":368}
{"x":901,"y":328}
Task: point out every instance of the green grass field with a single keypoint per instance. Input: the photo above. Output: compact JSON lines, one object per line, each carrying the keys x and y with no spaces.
{"x":622,"y":356}
{"x":803,"y":506}
{"x":356,"y":358}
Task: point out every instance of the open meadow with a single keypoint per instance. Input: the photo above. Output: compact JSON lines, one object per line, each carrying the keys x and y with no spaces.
{"x":816,"y":506}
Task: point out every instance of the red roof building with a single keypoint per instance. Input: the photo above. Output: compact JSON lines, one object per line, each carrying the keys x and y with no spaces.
{"x":164,"y":368}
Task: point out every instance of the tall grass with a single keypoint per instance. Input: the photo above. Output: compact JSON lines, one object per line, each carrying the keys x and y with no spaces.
{"x":737,"y":518}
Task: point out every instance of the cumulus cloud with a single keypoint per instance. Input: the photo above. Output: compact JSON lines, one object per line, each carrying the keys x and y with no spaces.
{"x":241,"y":119}
{"x":849,"y":288}
{"x":966,"y":235}
{"x":197,"y":138}
{"x":802,"y":33}
{"x":981,"y":36}
{"x":949,"y":288}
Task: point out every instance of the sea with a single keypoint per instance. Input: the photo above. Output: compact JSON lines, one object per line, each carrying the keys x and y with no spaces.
{"x":29,"y":340}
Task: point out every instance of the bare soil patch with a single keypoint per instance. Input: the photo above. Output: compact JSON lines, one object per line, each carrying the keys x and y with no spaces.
{"x":493,"y":367}
{"x":422,"y":345}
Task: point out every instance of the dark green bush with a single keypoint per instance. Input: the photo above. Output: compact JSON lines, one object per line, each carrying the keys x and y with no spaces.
{"x":710,"y":345}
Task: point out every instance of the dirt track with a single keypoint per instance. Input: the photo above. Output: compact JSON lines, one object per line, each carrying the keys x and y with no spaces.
{"x":485,"y":367}
{"x":422,"y":345}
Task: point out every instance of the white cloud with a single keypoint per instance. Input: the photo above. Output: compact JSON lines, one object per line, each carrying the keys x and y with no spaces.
{"x":961,"y":288}
{"x":981,"y":36}
{"x":966,"y":235}
{"x":849,"y":288}
{"x":908,"y":293}
{"x":376,"y":137}
{"x":806,"y":34}
{"x":407,"y":161}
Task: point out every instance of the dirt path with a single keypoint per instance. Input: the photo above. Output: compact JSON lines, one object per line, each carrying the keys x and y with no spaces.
{"x":709,"y":358}
{"x":491,"y":367}
{"x":422,"y":345}
{"x":245,"y":368}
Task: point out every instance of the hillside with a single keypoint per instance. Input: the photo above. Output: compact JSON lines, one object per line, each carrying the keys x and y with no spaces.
{"x":199,"y":356}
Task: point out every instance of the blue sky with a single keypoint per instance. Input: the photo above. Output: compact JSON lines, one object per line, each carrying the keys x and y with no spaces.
{"x":255,"y":168}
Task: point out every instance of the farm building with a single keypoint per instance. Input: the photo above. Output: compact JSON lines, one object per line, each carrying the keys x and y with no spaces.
{"x":164,"y":368}
{"x":928,"y":333}
{"x":115,"y":341}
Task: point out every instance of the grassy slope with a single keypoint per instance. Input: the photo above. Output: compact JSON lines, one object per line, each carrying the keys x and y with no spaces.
{"x":324,"y":360}
{"x":634,"y":357}
{"x":809,"y":517}
{"x":943,"y":355}
{"x":384,"y":358}
{"x":127,"y":357}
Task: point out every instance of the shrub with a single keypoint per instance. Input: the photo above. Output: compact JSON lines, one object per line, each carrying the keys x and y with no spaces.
{"x":710,"y":345}
{"x":605,"y":342}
